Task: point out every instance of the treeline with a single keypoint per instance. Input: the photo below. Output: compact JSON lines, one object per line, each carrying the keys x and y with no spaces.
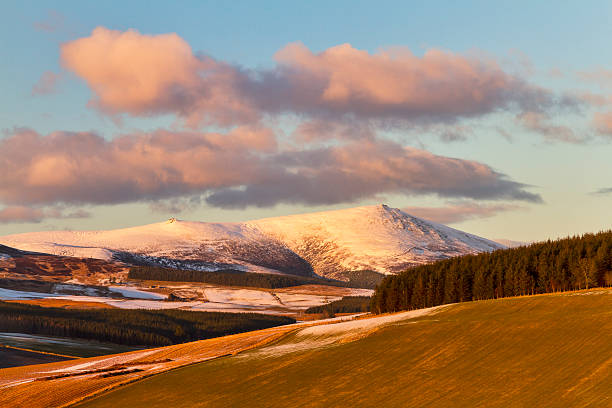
{"x":348,"y":304}
{"x":227,"y":277}
{"x":131,"y":327}
{"x":566,"y":264}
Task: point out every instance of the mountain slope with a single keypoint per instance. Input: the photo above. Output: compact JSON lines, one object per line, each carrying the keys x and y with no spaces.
{"x":374,"y":237}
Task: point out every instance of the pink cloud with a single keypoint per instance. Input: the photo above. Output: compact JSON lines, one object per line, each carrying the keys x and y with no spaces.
{"x":144,"y":75}
{"x":241,"y":168}
{"x":83,"y":167}
{"x":397,"y":83}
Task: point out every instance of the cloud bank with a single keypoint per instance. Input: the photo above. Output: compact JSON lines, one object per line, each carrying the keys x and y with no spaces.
{"x":142,"y":75}
{"x":241,"y":168}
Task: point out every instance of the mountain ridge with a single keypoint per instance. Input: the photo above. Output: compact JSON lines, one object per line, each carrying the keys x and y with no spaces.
{"x":326,"y":243}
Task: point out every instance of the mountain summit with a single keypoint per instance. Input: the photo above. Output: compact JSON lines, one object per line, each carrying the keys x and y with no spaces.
{"x":329,"y":243}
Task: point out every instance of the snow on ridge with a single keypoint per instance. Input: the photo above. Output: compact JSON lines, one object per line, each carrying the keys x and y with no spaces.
{"x":373,"y":237}
{"x":65,"y":250}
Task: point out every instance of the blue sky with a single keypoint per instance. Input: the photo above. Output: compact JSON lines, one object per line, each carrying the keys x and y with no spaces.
{"x":547,"y":44}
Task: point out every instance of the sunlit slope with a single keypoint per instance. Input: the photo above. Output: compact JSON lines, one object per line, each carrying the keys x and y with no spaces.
{"x":376,"y":237}
{"x":547,"y":350}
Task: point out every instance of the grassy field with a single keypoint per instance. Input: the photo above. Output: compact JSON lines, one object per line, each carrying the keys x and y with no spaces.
{"x":546,"y":351}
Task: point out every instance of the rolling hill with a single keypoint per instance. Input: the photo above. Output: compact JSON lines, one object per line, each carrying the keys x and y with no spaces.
{"x":545,"y":351}
{"x":328,"y":244}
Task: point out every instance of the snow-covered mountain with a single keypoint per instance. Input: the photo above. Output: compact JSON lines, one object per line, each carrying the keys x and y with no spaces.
{"x":375,"y":237}
{"x":327,"y":243}
{"x":173,"y":243}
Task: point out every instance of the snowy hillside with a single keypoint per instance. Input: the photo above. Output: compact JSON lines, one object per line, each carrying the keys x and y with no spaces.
{"x":374,"y":237}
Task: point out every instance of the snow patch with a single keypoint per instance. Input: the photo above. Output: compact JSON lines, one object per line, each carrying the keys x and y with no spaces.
{"x":133,"y":292}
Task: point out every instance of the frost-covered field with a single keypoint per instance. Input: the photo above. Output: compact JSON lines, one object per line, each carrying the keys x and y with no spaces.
{"x":215,"y":299}
{"x":144,"y":303}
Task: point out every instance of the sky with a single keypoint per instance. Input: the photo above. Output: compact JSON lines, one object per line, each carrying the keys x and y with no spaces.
{"x":492,"y":117}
